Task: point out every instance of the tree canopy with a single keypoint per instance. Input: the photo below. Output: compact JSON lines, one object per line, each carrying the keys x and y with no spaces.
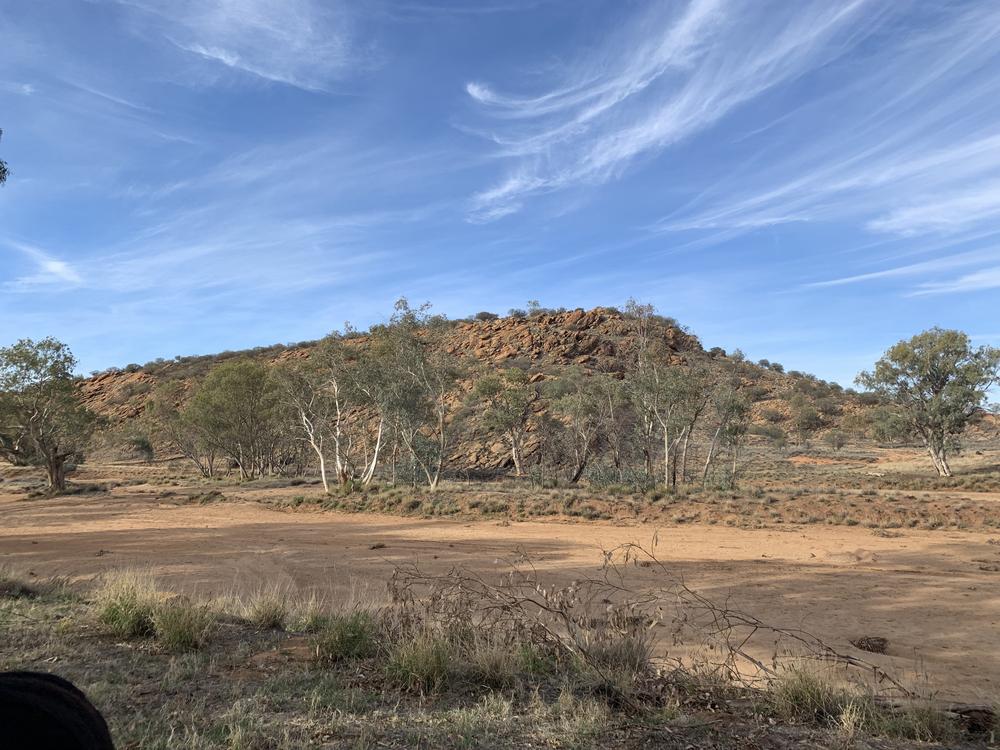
{"x":42,"y":420}
{"x":938,"y":382}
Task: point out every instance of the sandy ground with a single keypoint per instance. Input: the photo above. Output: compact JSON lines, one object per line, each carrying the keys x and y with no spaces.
{"x":934,"y":594}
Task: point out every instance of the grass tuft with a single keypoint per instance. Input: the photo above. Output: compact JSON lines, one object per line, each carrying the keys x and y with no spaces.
{"x":346,"y":636}
{"x":268,"y":608}
{"x":421,"y":664}
{"x":181,"y":625}
{"x":126,"y":603}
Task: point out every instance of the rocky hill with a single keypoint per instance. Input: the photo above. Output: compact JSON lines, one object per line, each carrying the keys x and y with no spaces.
{"x":594,"y":340}
{"x":597,"y":340}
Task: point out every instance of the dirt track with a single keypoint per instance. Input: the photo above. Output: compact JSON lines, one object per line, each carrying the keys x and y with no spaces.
{"x":934,"y":595}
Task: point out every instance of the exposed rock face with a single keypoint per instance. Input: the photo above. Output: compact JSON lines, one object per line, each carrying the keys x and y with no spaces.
{"x":598,"y":339}
{"x":594,"y":339}
{"x":119,"y":396}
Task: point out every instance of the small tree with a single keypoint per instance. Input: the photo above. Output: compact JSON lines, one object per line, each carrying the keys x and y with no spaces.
{"x":938,"y":382}
{"x":336,"y":399}
{"x":578,"y":401}
{"x":730,"y":414}
{"x":505,"y":400}
{"x":237,"y":410}
{"x":805,"y":418}
{"x":42,"y":419}
{"x":422,"y":380}
{"x":169,"y":424}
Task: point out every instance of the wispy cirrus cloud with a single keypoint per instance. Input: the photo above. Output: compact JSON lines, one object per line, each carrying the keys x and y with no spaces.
{"x":49,"y":269}
{"x":921,"y":155}
{"x":985,"y":278}
{"x":308,"y":44}
{"x":933,"y":266}
{"x":669,"y":76}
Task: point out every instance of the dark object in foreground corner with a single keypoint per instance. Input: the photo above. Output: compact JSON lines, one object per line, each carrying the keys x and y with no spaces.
{"x":40,"y":710}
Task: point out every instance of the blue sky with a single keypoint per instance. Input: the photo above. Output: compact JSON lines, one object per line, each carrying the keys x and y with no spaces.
{"x":809,"y":181}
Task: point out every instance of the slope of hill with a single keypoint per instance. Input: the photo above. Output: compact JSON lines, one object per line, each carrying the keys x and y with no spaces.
{"x":598,"y":340}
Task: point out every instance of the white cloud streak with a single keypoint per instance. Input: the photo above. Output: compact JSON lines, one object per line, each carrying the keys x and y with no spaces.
{"x":912,"y":269}
{"x":308,"y":44}
{"x":903,"y":144}
{"x":983,"y":279}
{"x":668,"y":77}
{"x":50,"y":270}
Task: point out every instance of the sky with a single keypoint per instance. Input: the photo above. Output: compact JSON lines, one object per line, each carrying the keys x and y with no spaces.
{"x":807,"y":181}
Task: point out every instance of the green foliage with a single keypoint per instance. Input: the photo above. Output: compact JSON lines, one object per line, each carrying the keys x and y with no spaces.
{"x":42,"y":419}
{"x":772,"y":415}
{"x":139,"y":445}
{"x":267,"y":608}
{"x":421,"y":381}
{"x":774,"y":434}
{"x":505,"y":402}
{"x":170,"y":424}
{"x":805,"y":418}
{"x":938,"y":382}
{"x":237,"y":411}
{"x":835,"y":439}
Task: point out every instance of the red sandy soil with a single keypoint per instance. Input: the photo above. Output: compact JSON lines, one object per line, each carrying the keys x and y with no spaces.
{"x":935,"y":595}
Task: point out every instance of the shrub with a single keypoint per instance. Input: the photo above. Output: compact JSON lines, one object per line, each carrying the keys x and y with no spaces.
{"x":623,"y":652}
{"x":836,"y":439}
{"x":486,"y":316}
{"x":126,"y":603}
{"x":350,"y":636}
{"x":181,"y":625}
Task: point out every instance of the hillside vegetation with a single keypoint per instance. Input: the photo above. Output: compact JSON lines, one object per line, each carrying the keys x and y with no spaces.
{"x":556,"y":351}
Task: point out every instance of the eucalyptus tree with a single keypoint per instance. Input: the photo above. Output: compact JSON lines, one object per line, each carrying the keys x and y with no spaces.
{"x":730,"y":407}
{"x":238,"y":410}
{"x":337,"y":398}
{"x":170,"y":424}
{"x":43,"y":421}
{"x":505,"y":402}
{"x":577,"y":400}
{"x":422,"y":383}
{"x":937,"y":382}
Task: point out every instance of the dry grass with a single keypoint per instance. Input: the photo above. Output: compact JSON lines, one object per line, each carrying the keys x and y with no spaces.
{"x":181,"y":625}
{"x":410,"y":676}
{"x":126,"y":603}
